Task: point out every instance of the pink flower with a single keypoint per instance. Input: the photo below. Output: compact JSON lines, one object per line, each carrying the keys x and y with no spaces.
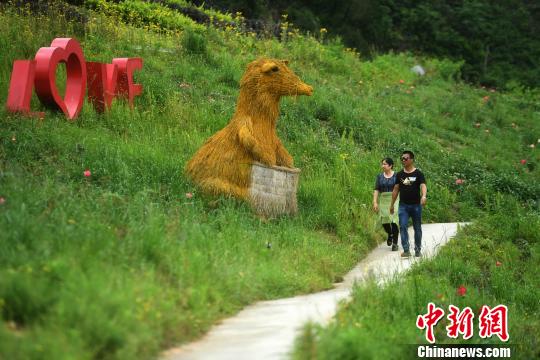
{"x":401,"y":81}
{"x":523,"y":161}
{"x":2,"y":200}
{"x":189,"y":195}
{"x":498,"y":263}
{"x":459,"y":181}
{"x":87,"y":173}
{"x":461,"y":290}
{"x":485,"y":98}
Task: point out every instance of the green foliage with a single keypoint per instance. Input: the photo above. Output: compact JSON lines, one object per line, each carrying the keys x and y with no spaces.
{"x":448,"y":70}
{"x":194,"y":43}
{"x":152,"y":16}
{"x":496,"y":41}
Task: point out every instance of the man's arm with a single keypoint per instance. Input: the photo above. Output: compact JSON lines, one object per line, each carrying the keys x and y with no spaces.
{"x":423,"y":189}
{"x":395,"y":193}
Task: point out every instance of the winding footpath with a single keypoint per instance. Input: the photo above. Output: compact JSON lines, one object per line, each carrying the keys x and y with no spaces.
{"x":267,"y":329}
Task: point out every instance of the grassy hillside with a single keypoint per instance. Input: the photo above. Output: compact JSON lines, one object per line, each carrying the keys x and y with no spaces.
{"x":133,"y":258}
{"x":492,"y":262}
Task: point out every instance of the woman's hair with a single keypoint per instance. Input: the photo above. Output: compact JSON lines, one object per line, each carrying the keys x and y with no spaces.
{"x":389,"y":161}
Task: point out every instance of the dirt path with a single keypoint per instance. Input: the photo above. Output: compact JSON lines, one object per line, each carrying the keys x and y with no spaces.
{"x":267,"y":329}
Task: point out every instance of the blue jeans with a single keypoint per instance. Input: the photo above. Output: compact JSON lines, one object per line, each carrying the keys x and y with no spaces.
{"x":415,"y":212}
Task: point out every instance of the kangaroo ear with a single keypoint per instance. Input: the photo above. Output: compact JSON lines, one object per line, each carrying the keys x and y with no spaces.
{"x":269,"y":66}
{"x":286,"y":62}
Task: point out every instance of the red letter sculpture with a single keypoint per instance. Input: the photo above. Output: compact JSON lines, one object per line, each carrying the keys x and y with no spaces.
{"x":21,"y":85}
{"x":105,"y":80}
{"x":126,"y":87}
{"x":101,"y":84}
{"x":65,"y":50}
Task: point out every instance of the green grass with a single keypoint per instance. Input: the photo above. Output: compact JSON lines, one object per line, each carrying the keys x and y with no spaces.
{"x":122,"y":264}
{"x":497,"y":261}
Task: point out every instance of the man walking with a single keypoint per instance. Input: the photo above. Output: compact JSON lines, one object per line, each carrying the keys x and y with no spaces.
{"x":410,"y":183}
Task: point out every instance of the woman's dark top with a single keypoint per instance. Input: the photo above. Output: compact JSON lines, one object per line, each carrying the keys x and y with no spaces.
{"x":383,"y":184}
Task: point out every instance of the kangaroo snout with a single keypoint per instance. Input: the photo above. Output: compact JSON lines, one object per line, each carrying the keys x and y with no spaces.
{"x":305,"y":89}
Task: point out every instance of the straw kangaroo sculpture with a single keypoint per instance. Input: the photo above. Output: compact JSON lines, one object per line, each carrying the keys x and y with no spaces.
{"x":223,"y":164}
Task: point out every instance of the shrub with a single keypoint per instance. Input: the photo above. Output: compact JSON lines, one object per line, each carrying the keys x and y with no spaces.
{"x":194,"y":43}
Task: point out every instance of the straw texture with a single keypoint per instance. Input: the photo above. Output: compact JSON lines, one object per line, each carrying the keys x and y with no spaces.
{"x":223,"y":165}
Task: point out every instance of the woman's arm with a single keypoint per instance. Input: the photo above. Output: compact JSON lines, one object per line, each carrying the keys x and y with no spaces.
{"x":395,"y":193}
{"x":376,"y":200}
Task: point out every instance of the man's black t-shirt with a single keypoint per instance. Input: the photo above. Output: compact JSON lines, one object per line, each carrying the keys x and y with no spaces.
{"x":409,"y":186}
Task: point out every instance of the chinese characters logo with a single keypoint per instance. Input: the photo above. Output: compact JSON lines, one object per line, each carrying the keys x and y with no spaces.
{"x":491,"y":321}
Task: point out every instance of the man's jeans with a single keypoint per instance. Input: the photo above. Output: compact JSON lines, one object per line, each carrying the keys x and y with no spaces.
{"x":415,"y":212}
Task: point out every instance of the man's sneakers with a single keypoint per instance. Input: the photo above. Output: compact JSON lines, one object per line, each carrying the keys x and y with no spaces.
{"x":389,"y":240}
{"x":407,"y":254}
{"x":395,"y":247}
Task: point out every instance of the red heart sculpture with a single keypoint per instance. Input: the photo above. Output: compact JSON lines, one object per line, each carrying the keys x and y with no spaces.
{"x":68,"y":51}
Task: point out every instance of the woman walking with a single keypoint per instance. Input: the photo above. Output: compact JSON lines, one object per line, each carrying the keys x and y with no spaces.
{"x":382,"y":198}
